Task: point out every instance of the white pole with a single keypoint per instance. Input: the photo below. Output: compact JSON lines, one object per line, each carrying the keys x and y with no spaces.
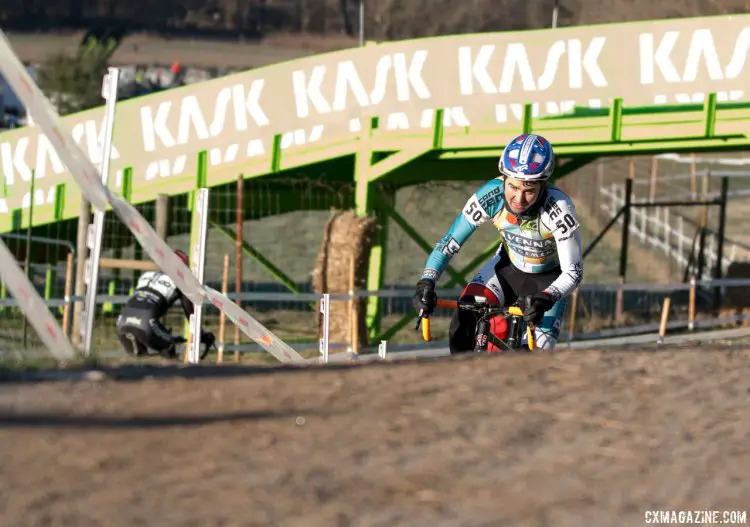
{"x":109,"y":93}
{"x":361,"y":23}
{"x":555,"y":9}
{"x":325,"y":309}
{"x":197,"y":265}
{"x":382,"y":348}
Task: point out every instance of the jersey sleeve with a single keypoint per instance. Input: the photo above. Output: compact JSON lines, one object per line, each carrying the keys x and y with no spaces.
{"x":562,"y":221}
{"x":481,"y":206}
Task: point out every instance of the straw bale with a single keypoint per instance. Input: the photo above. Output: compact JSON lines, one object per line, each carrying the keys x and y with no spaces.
{"x":346,"y":236}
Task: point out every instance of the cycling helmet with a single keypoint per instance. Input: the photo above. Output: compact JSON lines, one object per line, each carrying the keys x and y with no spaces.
{"x":182,"y":256}
{"x":528,"y":157}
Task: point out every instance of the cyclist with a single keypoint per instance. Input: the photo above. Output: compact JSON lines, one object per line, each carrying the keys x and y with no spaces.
{"x":540,"y":255}
{"x":139,"y":327}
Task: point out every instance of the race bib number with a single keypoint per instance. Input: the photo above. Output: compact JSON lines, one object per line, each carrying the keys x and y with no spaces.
{"x":473,"y":211}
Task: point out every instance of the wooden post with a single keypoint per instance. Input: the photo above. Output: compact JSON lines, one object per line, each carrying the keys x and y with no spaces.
{"x":691,"y":303}
{"x":596,"y":193}
{"x":352,"y":299}
{"x":222,"y":316}
{"x":624,"y":240}
{"x":693,"y":177}
{"x":188,"y":344}
{"x":664,"y":318}
{"x":82,"y":250}
{"x":239,"y":220}
{"x":652,"y":181}
{"x":162,"y":216}
{"x":68,"y":291}
{"x":572,"y":319}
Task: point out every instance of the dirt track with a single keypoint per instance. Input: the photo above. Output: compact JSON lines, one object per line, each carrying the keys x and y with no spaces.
{"x":577,"y":438}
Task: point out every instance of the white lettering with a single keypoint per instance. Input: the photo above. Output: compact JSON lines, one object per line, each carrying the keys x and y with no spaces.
{"x":249,"y":105}
{"x":660,"y":58}
{"x":702,"y":46}
{"x":408,"y":79}
{"x":255,"y":148}
{"x":502,"y":113}
{"x":381,"y":80}
{"x":411,"y":77}
{"x":231,"y":152}
{"x":477,"y":70}
{"x":554,"y":55}
{"x":516,"y":63}
{"x":455,"y":116}
{"x":698,"y":97}
{"x":310,"y":91}
{"x":45,"y":151}
{"x":300,"y":136}
{"x":14,"y":160}
{"x":95,"y":142}
{"x":223,"y":98}
{"x":347,"y":78}
{"x":741,"y":49}
{"x":154,"y":127}
{"x":190,"y":114}
{"x":516,"y":59}
{"x":39,"y":198}
{"x":589,"y":64}
{"x":702,"y":50}
{"x":163,"y":168}
{"x":397,"y":121}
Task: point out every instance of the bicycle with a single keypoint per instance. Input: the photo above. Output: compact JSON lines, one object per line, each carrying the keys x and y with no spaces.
{"x":485,"y":311}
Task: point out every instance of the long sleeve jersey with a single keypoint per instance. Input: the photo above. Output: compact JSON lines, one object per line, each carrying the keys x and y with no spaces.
{"x":535,"y":243}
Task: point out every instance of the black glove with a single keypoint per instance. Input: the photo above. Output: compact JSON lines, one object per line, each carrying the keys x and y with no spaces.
{"x":536,"y":306}
{"x":425,"y":298}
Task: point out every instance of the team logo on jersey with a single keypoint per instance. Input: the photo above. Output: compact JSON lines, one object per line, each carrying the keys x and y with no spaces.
{"x":529,"y":225}
{"x":530,"y":247}
{"x":451,"y":247}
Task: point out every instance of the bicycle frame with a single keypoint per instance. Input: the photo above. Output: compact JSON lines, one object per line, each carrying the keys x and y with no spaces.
{"x":485,"y":312}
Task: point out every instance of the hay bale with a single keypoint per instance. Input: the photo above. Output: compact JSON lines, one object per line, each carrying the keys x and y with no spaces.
{"x":347,"y":236}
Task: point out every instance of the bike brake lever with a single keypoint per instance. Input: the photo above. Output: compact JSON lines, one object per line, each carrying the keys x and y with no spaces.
{"x":419,"y":319}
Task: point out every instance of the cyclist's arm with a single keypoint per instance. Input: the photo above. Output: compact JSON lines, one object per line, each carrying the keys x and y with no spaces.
{"x":187,"y":305}
{"x":481,"y":206}
{"x":560,"y":217}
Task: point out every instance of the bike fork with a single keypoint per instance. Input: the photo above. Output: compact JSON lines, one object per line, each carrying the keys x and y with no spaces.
{"x":482,"y":336}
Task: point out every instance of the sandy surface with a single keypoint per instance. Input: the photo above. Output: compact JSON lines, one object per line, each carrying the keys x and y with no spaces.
{"x":570,"y":439}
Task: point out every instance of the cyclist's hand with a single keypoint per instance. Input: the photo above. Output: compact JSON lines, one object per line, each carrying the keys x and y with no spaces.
{"x":537,"y":305}
{"x":425,"y":298}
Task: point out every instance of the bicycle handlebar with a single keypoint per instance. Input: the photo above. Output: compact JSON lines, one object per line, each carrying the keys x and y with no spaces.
{"x":475,"y":306}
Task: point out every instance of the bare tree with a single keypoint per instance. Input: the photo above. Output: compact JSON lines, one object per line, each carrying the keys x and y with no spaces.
{"x":348,"y":27}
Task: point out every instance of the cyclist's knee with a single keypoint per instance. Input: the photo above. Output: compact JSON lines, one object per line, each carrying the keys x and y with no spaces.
{"x":461,"y":332}
{"x":474,"y":290}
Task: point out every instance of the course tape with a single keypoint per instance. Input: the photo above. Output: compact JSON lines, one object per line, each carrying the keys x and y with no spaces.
{"x":34,"y":307}
{"x":88,"y":178}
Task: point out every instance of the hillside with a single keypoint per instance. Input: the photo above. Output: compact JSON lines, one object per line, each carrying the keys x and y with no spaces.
{"x":226,"y":33}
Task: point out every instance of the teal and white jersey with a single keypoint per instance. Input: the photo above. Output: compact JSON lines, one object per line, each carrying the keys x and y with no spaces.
{"x":536,"y":243}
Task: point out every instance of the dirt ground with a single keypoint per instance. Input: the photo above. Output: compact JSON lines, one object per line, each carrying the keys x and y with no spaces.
{"x":570,"y":439}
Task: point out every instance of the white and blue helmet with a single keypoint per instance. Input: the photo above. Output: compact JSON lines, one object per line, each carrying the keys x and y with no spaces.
{"x":528,"y":157}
